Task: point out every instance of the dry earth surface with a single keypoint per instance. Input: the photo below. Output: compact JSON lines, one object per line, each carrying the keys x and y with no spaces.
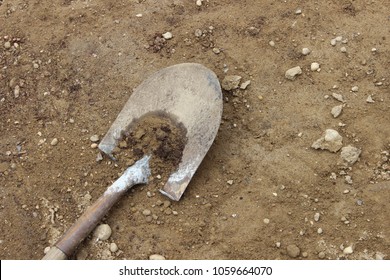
{"x":262,"y":192}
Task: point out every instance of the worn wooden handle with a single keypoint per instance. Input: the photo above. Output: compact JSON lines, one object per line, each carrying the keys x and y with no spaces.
{"x":136,"y":174}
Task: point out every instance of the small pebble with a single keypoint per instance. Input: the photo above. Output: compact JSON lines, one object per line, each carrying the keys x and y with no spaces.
{"x":293,"y":251}
{"x":277,"y":244}
{"x":146,"y":212}
{"x":350,"y":154}
{"x":271,"y":43}
{"x":198,"y":33}
{"x":348,"y":250}
{"x":7,"y":45}
{"x":305,"y":254}
{"x":245,"y":84}
{"x":321,"y":255}
{"x":317,"y":217}
{"x":355,"y":88}
{"x":156,"y":257}
{"x":167,"y":35}
{"x":231,"y":82}
{"x":54,"y":142}
{"x":46,"y":250}
{"x":319,"y":231}
{"x":306,"y":51}
{"x":266,"y":221}
{"x":298,"y":11}
{"x":94,"y":138}
{"x":343,"y":49}
{"x":339,"y":38}
{"x":94,"y":145}
{"x":230,"y":182}
{"x":314,"y":66}
{"x":293,"y":72}
{"x":369,"y":99}
{"x":338,"y":97}
{"x":333,"y":42}
{"x":336,"y":111}
{"x":113,"y":247}
{"x":102,"y":232}
{"x":216,"y":50}
{"x":138,"y":15}
{"x":17,"y":91}
{"x":199,"y":3}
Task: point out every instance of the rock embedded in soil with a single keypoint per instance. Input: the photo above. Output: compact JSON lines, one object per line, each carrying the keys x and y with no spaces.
{"x":245,"y":84}
{"x":331,"y":141}
{"x":338,"y":97}
{"x":167,"y":35}
{"x":54,"y":142}
{"x":306,"y":51}
{"x":94,"y":138}
{"x":336,"y":111}
{"x":113,"y":247}
{"x":315,"y":66}
{"x":102,"y":232}
{"x":231,"y":82}
{"x":293,"y":72}
{"x":156,"y":257}
{"x":348,"y":250}
{"x":293,"y":250}
{"x":350,"y":154}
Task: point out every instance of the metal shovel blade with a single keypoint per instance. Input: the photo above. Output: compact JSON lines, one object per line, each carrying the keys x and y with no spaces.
{"x":191,"y":94}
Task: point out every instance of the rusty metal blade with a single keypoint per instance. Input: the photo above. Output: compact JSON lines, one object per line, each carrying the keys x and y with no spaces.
{"x":191,"y":94}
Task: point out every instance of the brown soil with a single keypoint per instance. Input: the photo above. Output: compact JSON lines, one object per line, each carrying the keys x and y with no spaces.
{"x":156,"y":135}
{"x":68,"y":67}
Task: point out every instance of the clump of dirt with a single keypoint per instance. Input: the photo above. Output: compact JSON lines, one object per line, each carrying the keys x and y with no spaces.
{"x":157,"y":135}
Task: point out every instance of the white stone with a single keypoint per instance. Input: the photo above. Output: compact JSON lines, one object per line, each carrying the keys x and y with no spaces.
{"x":317,"y":217}
{"x":336,"y":110}
{"x":156,"y":257}
{"x":245,"y":84}
{"x":333,"y":42}
{"x":113,"y":247}
{"x":348,"y":250}
{"x":102,"y":232}
{"x":54,"y":142}
{"x":167,"y":35}
{"x":314,"y":66}
{"x":271,"y":43}
{"x":17,"y":91}
{"x":331,"y":141}
{"x":293,"y":72}
{"x":7,"y":45}
{"x":338,"y":97}
{"x":306,"y":51}
{"x":94,"y":138}
{"x":339,"y":38}
{"x":266,"y":221}
{"x":355,"y":88}
{"x":319,"y":231}
{"x":369,"y":99}
{"x":343,"y":49}
{"x":199,"y":3}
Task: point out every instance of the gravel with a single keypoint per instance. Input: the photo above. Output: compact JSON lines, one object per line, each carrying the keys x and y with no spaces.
{"x":102,"y":232}
{"x":146,"y":212}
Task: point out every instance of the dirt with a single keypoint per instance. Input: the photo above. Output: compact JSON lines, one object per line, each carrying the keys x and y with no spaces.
{"x":156,"y":135}
{"x":68,"y":67}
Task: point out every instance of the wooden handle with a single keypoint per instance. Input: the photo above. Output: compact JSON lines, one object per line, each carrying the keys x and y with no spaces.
{"x":136,"y":174}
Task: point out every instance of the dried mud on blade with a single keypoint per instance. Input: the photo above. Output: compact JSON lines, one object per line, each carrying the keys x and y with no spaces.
{"x":191,"y":95}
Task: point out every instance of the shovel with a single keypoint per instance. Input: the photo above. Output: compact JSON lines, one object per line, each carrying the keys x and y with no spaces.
{"x":189,"y":93}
